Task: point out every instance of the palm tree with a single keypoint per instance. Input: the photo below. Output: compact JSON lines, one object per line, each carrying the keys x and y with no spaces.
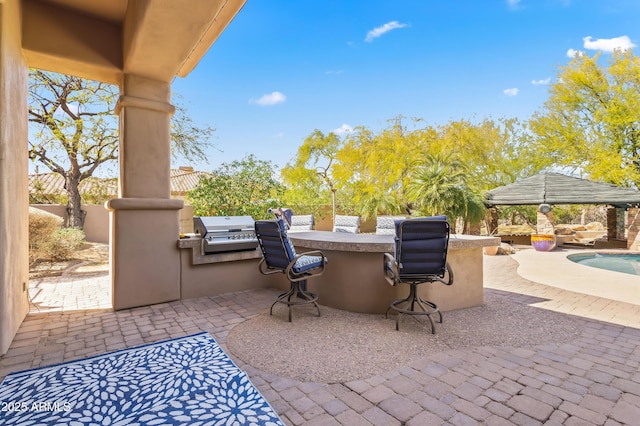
{"x":374,"y":202}
{"x":440,"y":187}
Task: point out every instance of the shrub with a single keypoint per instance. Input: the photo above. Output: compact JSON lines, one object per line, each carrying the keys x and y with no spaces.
{"x":64,"y":242}
{"x":42,"y":225}
{"x":47,"y":238}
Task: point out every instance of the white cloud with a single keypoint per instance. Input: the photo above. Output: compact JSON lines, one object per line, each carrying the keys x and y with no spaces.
{"x":269,"y":99}
{"x":333,"y":72}
{"x":378,"y":31}
{"x":513,"y":3}
{"x":73,"y":108}
{"x":608,"y":44}
{"x":541,"y":82}
{"x":572,"y":53}
{"x":511,"y":92}
{"x":343,"y":130}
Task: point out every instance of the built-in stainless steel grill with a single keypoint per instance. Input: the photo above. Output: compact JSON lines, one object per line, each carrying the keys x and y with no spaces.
{"x":226,"y":233}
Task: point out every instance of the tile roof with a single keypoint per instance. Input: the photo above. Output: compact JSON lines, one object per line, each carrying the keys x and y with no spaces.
{"x":53,"y":184}
{"x":181,"y":181}
{"x":184,"y":181}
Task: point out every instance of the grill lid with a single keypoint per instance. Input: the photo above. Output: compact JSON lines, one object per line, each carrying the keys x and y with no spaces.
{"x":204,"y":225}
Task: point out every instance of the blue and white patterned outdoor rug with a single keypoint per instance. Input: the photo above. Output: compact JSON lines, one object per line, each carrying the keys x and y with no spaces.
{"x":184,"y":381}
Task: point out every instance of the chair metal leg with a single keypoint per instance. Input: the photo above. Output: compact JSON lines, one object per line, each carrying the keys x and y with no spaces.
{"x":302,"y":297}
{"x":408,"y":306}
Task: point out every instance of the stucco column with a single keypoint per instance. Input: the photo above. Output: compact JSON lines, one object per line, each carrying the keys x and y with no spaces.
{"x":145,"y":259}
{"x":14,"y":195}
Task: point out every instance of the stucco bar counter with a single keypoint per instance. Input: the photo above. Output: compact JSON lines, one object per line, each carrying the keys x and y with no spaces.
{"x":203,"y":275}
{"x":354,"y":281}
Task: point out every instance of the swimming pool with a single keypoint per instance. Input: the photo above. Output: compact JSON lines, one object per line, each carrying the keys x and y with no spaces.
{"x":628,"y":263}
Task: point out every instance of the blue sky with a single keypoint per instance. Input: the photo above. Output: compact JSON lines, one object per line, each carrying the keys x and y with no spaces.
{"x":282,"y":68}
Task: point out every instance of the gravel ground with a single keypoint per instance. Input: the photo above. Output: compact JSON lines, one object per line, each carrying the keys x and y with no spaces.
{"x":342,"y":346}
{"x":90,"y":258}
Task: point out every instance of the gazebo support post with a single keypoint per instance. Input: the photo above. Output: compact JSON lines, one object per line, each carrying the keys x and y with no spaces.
{"x":616,"y":223}
{"x":545,"y":222}
{"x":633,"y":237}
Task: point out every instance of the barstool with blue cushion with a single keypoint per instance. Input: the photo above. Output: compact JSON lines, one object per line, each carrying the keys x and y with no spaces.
{"x":386,"y":225}
{"x":420,"y":257}
{"x":279,"y":257}
{"x":350,"y":224}
{"x":302,"y":223}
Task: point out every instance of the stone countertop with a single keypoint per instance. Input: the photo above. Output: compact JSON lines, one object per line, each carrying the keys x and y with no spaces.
{"x":190,"y":241}
{"x":336,"y":241}
{"x":373,"y":243}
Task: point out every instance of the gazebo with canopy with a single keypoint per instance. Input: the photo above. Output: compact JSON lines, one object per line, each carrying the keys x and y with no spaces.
{"x":549,"y":188}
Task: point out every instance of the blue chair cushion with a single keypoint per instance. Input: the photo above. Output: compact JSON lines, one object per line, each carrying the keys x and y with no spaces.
{"x":306,"y":263}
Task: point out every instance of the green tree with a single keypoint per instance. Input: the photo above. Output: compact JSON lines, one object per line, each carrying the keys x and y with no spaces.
{"x":189,"y":140}
{"x":375,"y":169}
{"x":591,"y":121}
{"x":246,"y":187}
{"x":74,"y":130}
{"x":495,"y":153}
{"x":371,"y":172}
{"x":309,"y":178}
{"x":440,"y":186}
{"x":77,"y":132}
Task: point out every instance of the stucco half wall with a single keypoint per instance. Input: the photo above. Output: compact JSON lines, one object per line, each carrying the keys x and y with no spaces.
{"x":208,"y":275}
{"x":96,"y":222}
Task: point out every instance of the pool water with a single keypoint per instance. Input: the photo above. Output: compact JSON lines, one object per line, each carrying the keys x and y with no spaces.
{"x":625,"y":263}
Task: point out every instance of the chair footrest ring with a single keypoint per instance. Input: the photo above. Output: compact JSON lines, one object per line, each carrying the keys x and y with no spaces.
{"x":427,"y":308}
{"x":415,"y":305}
{"x":302,"y":298}
{"x":296,"y":296}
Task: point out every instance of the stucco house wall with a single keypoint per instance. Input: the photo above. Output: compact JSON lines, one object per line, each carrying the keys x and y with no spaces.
{"x":141,"y":46}
{"x":14,"y":197}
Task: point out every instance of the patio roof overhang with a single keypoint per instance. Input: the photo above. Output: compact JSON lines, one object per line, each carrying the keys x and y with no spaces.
{"x":102,"y":39}
{"x":556,"y":188}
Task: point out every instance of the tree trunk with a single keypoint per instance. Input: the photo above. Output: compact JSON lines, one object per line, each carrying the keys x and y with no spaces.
{"x":472,"y":228}
{"x":75,"y":214}
{"x":492,"y":220}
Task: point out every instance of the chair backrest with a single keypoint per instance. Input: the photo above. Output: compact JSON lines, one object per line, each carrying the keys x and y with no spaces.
{"x":303,"y":222}
{"x":275,"y":245}
{"x":284,"y":213}
{"x":386,"y":225}
{"x":421,"y":247}
{"x":349,"y":224}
